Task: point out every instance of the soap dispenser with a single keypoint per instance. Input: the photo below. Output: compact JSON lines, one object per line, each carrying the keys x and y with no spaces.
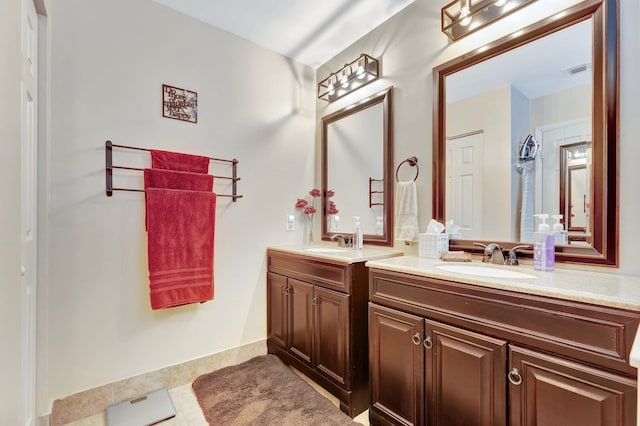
{"x":559,"y":234}
{"x":544,"y":255}
{"x":357,"y":234}
{"x":379,"y":226}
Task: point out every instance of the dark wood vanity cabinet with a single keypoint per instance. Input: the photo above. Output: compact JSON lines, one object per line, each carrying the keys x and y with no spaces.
{"x":446,"y":353}
{"x":316,"y":322}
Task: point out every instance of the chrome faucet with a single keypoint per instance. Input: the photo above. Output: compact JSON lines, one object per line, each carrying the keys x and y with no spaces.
{"x":492,"y":253}
{"x":512,"y":259}
{"x":343,"y":240}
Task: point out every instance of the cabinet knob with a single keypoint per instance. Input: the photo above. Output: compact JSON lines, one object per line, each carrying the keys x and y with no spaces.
{"x":416,"y":339}
{"x":428,"y":343}
{"x":314,"y":301}
{"x":515,"y":377}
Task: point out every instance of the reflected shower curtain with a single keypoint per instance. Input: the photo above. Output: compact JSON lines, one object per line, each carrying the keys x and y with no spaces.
{"x":526,"y":210}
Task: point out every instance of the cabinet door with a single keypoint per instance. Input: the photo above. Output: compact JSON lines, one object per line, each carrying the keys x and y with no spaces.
{"x":396,"y":363}
{"x":464,"y":377}
{"x":277,"y":309}
{"x":332,"y":334}
{"x":300,"y":319}
{"x":549,"y":391}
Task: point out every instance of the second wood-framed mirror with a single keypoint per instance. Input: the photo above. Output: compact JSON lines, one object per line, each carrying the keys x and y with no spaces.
{"x":357,"y":163}
{"x":598,"y":126}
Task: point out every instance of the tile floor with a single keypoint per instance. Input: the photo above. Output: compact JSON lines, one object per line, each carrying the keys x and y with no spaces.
{"x":190,"y":414}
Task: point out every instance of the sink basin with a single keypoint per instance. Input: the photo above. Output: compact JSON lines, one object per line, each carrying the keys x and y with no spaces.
{"x":324,"y":250}
{"x":484,"y":271}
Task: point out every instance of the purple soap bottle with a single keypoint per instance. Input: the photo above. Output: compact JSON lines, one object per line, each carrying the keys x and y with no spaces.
{"x":544,"y":254}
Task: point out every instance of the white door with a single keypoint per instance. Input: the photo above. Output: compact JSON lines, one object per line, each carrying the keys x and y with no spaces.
{"x":464,"y":186}
{"x":28,"y":204}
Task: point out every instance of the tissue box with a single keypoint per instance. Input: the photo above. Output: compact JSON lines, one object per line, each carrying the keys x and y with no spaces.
{"x":432,"y":245}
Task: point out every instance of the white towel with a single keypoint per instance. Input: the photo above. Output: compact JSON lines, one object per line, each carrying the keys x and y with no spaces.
{"x":406,"y":228}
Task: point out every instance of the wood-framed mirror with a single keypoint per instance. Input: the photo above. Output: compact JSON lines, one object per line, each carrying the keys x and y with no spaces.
{"x":599,"y":126}
{"x":575,"y":168}
{"x":357,"y":169}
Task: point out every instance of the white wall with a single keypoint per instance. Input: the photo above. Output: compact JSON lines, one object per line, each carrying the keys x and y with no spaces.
{"x":520,"y":128}
{"x":108,"y":62}
{"x":410,"y":44}
{"x":568,"y":105}
{"x":10,"y":317}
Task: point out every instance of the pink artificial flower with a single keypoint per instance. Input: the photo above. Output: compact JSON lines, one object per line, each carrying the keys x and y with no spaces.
{"x":332,"y":208}
{"x":330,"y":193}
{"x":314,"y":192}
{"x":301,"y":203}
{"x":309,"y":210}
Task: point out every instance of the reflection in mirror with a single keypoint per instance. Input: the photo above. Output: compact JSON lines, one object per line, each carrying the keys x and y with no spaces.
{"x":555,"y":84}
{"x":575,"y":191}
{"x":356,"y":150}
{"x":543,"y":88}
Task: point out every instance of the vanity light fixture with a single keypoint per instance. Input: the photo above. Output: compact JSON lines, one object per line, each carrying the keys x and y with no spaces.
{"x":350,"y":77}
{"x":462,"y":17}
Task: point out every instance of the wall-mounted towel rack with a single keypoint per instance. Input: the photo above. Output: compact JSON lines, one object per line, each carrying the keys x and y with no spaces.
{"x":373,"y":191}
{"x":412,"y":161}
{"x":108,"y":145}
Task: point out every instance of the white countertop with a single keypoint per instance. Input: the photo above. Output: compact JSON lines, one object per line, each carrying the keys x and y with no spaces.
{"x":342,"y":254}
{"x":600,"y":288}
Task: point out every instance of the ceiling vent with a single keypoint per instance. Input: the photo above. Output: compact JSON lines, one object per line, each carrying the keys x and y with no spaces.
{"x":577,"y":69}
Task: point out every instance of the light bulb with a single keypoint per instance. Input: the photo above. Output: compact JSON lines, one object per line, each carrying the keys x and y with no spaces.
{"x":344,"y":80}
{"x":465,"y":16}
{"x":360,"y":70}
{"x":331,"y":87}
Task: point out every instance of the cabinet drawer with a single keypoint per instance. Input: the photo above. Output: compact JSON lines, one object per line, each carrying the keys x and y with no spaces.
{"x":594,"y":334}
{"x":311,"y":270}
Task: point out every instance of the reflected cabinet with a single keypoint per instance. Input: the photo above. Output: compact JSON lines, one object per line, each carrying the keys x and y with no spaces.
{"x":446,"y":353}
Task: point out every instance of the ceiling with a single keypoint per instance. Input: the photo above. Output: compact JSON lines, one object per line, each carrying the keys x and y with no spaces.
{"x":309,"y":31}
{"x":536,"y":69}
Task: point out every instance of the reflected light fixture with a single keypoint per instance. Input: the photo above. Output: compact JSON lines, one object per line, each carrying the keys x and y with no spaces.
{"x":462,"y":17}
{"x":350,"y":77}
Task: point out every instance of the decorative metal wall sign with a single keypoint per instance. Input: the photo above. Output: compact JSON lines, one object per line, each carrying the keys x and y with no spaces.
{"x":180,"y":104}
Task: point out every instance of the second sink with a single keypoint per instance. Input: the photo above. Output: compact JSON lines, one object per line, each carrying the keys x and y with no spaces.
{"x":324,"y":250}
{"x":483,"y":271}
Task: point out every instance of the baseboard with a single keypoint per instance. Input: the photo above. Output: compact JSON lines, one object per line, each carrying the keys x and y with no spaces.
{"x":96,"y":400}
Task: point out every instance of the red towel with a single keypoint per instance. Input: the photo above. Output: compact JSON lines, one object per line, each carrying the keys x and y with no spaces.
{"x":180,"y":244}
{"x":170,"y":179}
{"x":181,"y":162}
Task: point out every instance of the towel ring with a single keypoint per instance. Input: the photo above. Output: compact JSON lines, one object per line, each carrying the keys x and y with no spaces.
{"x":413,"y":161}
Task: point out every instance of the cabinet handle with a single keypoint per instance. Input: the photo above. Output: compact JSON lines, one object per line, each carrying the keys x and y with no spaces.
{"x":416,"y":339}
{"x":428,"y":343}
{"x":284,"y":290}
{"x":515,"y":377}
{"x":314,"y":301}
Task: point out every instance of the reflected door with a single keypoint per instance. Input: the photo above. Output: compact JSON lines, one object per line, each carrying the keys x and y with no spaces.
{"x":465,"y":183}
{"x":577,"y":220}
